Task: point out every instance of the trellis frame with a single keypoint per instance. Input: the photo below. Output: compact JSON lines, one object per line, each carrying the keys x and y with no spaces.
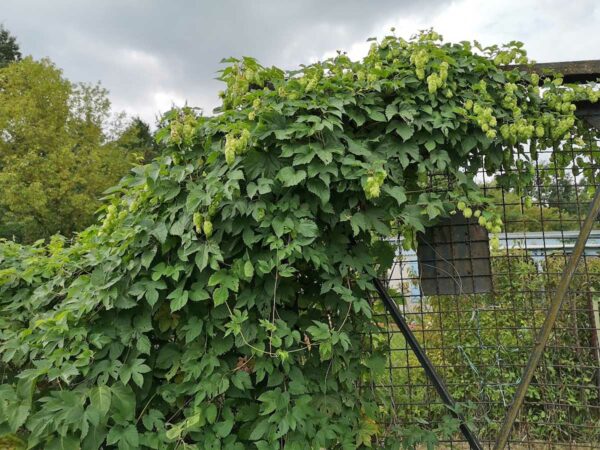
{"x":573,"y":72}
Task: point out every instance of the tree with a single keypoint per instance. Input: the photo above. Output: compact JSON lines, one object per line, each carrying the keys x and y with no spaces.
{"x":137,"y":138}
{"x":9,"y":49}
{"x":55,"y":160}
{"x":523,"y":214}
{"x":563,"y":191}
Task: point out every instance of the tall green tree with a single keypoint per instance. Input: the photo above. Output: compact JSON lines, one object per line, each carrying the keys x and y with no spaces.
{"x":137,"y":138}
{"x":9,"y":49}
{"x":563,"y":191}
{"x":55,"y":158}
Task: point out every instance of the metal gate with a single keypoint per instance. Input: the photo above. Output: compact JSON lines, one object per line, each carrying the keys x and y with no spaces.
{"x":479,"y":344}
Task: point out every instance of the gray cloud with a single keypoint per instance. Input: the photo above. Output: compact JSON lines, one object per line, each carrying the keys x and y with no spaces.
{"x":149,"y":53}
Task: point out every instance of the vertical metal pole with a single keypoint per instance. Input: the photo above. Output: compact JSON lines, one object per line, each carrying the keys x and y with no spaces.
{"x":544,"y":334}
{"x":430,"y":371}
{"x":595,"y":313}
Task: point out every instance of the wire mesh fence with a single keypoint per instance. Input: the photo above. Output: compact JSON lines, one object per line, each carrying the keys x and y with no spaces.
{"x":480,"y":343}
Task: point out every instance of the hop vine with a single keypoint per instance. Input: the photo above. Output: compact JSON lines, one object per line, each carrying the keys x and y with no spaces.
{"x":223,"y":298}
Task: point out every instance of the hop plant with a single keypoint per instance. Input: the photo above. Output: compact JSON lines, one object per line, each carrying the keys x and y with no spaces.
{"x":229,"y":151}
{"x":198,"y":220}
{"x":236,"y":144}
{"x":207,"y":227}
{"x":495,"y":243}
{"x":434,"y":82}
{"x":444,"y":71}
{"x":420,"y":60}
{"x":373,"y":184}
{"x":176,"y":130}
{"x":137,"y":304}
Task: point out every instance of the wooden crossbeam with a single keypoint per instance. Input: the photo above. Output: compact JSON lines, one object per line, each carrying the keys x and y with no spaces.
{"x":572,"y":71}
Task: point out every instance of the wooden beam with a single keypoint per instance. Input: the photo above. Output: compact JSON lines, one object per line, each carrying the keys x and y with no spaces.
{"x":572,"y":71}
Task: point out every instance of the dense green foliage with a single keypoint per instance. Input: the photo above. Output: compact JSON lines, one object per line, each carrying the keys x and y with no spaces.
{"x":55,"y":156}
{"x":482,"y":342}
{"x":224,"y":299}
{"x":521,"y":214}
{"x":555,"y":202}
{"x":136,"y":138}
{"x":9,"y":49}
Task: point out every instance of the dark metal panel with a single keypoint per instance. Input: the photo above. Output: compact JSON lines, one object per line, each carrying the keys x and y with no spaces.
{"x":590,"y":112}
{"x":454,"y":258}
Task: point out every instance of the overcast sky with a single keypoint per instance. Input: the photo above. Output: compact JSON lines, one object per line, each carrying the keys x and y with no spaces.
{"x":153,"y":53}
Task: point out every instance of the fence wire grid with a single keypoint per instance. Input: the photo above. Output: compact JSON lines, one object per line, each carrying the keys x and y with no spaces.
{"x":480,"y":343}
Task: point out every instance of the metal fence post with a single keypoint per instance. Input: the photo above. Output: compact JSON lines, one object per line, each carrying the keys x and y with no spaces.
{"x":544,"y":334}
{"x":425,"y":362}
